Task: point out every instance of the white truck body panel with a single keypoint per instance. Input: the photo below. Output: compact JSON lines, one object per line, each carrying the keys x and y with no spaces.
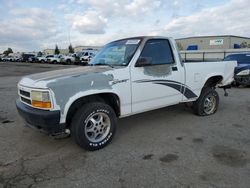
{"x":196,"y":78}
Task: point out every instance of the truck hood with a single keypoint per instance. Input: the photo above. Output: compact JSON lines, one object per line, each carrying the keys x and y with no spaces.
{"x":50,"y":76}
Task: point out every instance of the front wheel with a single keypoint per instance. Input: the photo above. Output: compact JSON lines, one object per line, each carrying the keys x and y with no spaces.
{"x":93,"y":126}
{"x":207,"y":103}
{"x":68,"y":61}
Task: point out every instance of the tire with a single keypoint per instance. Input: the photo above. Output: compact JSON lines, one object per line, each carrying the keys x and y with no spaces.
{"x":87,"y":128}
{"x":237,"y":84}
{"x":54,"y":62}
{"x":68,"y":61}
{"x":42,"y":61}
{"x":207,"y":103}
{"x":245,"y":81}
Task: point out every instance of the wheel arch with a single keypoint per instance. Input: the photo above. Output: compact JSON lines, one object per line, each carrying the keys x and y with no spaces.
{"x":109,"y":98}
{"x":212,"y":81}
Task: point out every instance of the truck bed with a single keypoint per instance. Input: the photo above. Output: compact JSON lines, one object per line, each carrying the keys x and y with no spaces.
{"x":199,"y":72}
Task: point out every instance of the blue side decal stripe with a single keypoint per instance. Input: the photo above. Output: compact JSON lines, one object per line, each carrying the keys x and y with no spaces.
{"x":182,"y":88}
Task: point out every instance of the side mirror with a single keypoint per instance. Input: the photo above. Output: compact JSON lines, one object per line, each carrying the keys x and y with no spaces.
{"x":143,"y":61}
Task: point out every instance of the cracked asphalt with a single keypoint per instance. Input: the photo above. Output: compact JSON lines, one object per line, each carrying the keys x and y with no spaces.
{"x":169,"y":147}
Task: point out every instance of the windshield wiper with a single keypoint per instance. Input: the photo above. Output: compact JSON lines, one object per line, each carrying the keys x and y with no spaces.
{"x":103,"y":64}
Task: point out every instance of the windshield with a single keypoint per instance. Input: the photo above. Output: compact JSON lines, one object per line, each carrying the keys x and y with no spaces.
{"x":118,"y":53}
{"x":240,"y":58}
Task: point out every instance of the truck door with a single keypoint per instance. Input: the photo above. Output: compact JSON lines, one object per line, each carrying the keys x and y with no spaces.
{"x":157,"y":78}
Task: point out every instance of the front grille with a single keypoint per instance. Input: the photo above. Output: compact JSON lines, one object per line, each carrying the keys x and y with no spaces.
{"x":25,"y":93}
{"x":28,"y":101}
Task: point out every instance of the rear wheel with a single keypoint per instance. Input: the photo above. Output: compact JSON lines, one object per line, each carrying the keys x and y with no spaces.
{"x":207,"y":103}
{"x":237,"y":84}
{"x":68,"y":61}
{"x":245,"y":81}
{"x":93,"y":126}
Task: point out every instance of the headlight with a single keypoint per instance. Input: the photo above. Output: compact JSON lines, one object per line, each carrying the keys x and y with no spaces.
{"x":41,"y":99}
{"x":244,"y":72}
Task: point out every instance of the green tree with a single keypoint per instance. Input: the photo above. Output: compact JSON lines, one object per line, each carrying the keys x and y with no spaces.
{"x":57,"y":51}
{"x":71,"y":49}
{"x":8,"y":51}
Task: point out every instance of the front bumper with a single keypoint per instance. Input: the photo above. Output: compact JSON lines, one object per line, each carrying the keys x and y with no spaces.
{"x":48,"y":121}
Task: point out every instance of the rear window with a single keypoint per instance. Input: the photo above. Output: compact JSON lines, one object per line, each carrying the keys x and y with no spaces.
{"x":240,"y":58}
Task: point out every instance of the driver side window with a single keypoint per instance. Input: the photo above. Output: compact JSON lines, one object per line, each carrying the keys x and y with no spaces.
{"x":157,"y":52}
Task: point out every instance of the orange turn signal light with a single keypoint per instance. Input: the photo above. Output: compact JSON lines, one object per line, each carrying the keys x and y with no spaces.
{"x":40,"y":104}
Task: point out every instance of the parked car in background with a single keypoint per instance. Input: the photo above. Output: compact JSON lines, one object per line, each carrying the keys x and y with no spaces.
{"x":69,"y":59}
{"x":43,"y":59}
{"x":32,"y":59}
{"x":87,"y":56}
{"x":242,"y":71}
{"x":25,"y":57}
{"x":18,"y":58}
{"x":6,"y":58}
{"x":9,"y":58}
{"x":77,"y":56}
{"x":55,"y":59}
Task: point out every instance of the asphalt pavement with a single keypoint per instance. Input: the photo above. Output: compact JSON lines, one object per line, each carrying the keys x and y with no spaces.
{"x":169,"y":147}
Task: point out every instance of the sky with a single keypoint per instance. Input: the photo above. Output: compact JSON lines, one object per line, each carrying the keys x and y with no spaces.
{"x":35,"y":25}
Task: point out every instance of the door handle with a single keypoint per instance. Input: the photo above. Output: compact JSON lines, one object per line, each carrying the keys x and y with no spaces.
{"x":174,"y":69}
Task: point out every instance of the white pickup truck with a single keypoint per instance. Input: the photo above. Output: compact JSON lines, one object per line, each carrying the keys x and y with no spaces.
{"x":54,"y":59}
{"x":126,"y":77}
{"x":87,"y":56}
{"x":69,"y":59}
